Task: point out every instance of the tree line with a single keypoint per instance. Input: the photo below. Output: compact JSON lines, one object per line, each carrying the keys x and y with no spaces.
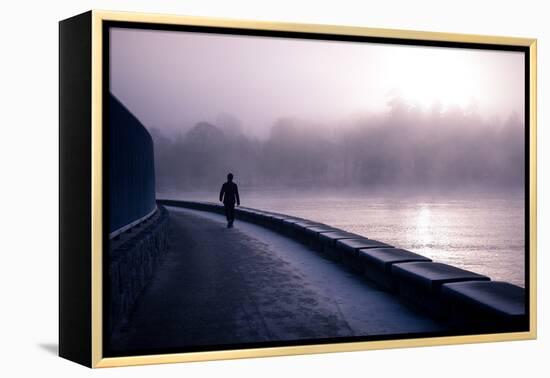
{"x":402,"y":148}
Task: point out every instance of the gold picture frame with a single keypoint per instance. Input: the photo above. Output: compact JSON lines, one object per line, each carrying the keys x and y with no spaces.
{"x":93,"y":25}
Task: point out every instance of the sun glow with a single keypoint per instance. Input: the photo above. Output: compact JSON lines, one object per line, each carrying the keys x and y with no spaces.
{"x":444,"y":76}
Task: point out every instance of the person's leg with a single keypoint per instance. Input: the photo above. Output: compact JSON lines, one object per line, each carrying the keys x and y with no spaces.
{"x":227,"y":209}
{"x":231,"y":214}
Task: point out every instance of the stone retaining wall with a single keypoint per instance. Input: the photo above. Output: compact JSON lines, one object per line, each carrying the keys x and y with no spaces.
{"x":133,"y":257}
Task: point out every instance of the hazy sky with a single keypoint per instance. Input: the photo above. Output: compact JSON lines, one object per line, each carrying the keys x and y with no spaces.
{"x":171,"y":80}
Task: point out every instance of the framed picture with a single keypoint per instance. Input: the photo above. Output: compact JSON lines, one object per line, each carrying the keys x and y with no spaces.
{"x":235,"y":189}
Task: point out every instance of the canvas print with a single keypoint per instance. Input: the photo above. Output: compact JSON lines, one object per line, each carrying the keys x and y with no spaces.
{"x":277,"y":190}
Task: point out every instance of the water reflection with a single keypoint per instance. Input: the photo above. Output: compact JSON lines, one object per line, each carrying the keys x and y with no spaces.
{"x":423,"y":229}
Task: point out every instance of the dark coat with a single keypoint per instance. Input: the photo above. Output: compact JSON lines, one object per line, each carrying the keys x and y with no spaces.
{"x":229,"y":193}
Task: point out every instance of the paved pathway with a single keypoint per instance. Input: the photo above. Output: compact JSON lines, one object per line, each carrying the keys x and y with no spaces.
{"x":219,"y":286}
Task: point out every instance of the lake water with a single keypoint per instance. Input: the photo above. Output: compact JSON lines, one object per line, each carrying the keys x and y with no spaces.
{"x":484,"y":233}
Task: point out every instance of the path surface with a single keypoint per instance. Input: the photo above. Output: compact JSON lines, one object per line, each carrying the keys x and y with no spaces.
{"x":219,"y":286}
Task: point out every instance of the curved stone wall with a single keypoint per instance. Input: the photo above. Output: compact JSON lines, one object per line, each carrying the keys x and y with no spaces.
{"x":137,"y":227}
{"x":133,"y":258}
{"x":465,"y":300}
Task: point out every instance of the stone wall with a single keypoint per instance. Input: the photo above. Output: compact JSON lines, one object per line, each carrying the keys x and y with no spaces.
{"x":133,"y":257}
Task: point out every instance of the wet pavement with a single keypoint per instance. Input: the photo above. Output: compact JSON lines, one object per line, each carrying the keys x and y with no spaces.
{"x":218,"y":286}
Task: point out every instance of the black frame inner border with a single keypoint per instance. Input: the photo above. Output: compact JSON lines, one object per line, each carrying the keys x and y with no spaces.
{"x":106,"y":25}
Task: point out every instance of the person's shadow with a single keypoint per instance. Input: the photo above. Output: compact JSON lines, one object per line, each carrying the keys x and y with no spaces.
{"x":50,"y":347}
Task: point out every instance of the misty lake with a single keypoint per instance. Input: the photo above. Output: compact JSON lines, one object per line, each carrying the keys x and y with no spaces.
{"x":484,"y":233}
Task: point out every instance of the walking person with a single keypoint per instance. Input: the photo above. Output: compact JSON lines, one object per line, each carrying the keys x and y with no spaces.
{"x":229,"y":194}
